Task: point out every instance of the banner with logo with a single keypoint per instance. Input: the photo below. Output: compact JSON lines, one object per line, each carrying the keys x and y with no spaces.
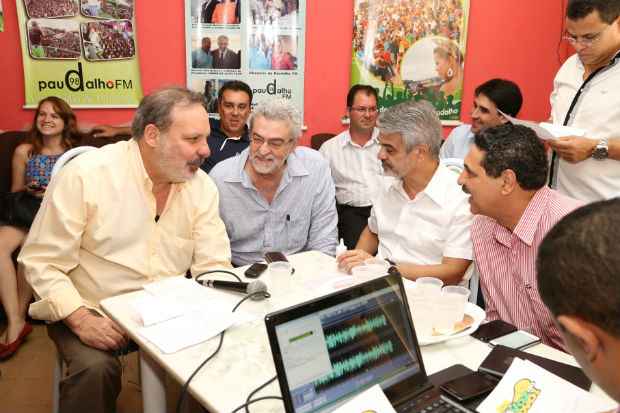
{"x":1,"y":17}
{"x":83,"y":51}
{"x":412,"y":49}
{"x":261,"y":42}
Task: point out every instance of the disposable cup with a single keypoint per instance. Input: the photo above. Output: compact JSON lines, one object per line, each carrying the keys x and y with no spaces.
{"x":446,"y":310}
{"x":423,"y":314}
{"x":460,"y":294}
{"x":378,"y":262}
{"x":429,"y":286}
{"x":280,"y":273}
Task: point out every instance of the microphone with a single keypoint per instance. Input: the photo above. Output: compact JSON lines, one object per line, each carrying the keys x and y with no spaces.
{"x":245,"y":288}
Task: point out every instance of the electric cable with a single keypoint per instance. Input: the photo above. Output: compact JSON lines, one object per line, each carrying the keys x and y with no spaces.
{"x":256,"y":400}
{"x":259,"y":388}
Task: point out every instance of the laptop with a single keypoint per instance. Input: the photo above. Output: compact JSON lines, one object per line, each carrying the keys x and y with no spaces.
{"x":331,"y":348}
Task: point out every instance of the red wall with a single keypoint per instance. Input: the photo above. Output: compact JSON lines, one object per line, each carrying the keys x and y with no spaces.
{"x":518,"y":40}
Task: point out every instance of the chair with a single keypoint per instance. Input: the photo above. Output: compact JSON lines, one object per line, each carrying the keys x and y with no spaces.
{"x":318,"y":139}
{"x":67,"y":156}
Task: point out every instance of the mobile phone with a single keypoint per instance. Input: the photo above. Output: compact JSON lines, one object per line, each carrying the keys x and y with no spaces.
{"x":255,"y":270}
{"x":274,"y":256}
{"x":517,"y":340}
{"x":472,"y":385}
{"x":493,"y":329}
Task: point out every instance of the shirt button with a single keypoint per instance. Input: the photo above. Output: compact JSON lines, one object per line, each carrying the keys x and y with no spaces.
{"x":528,"y":286}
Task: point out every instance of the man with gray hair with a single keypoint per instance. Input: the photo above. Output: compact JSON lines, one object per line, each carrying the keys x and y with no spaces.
{"x":112,"y":220}
{"x":276,"y":196}
{"x":421,"y":222}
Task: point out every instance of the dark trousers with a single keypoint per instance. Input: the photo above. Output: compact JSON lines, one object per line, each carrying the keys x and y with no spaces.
{"x":351,"y":223}
{"x":93,"y":380}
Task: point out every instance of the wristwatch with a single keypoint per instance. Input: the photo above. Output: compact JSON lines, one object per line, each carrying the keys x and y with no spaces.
{"x":601,"y":151}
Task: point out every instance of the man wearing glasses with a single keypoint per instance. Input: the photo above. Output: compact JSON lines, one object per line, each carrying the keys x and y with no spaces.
{"x":356,"y":170}
{"x":276,"y":196}
{"x":585,"y":96}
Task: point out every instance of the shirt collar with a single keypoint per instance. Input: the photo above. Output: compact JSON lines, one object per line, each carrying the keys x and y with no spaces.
{"x":436,"y":189}
{"x":345,"y":139}
{"x":528,"y":223}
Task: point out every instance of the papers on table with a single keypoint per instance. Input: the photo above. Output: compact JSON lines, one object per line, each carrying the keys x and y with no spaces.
{"x":527,"y":387}
{"x":546,"y":130}
{"x":178,"y":312}
{"x":371,"y":400}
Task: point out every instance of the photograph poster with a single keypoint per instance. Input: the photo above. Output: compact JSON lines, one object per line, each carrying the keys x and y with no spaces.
{"x":412,"y":49}
{"x":260,"y":42}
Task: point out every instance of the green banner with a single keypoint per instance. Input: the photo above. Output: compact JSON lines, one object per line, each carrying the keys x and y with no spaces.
{"x":412,"y":49}
{"x":84,"y":52}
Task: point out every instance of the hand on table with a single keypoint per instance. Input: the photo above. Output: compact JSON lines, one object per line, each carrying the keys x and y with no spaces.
{"x":573,"y":149}
{"x":95,"y":330}
{"x":352,"y":258}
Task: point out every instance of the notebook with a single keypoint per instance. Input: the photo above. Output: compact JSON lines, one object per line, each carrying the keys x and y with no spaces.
{"x":334,"y":347}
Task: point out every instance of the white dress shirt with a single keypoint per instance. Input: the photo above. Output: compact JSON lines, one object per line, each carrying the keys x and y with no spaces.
{"x":598,"y":112}
{"x":356,"y":170}
{"x":423,"y":230}
{"x":458,"y":143}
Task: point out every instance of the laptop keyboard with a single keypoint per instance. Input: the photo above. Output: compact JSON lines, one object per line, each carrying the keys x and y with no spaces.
{"x":440,"y":405}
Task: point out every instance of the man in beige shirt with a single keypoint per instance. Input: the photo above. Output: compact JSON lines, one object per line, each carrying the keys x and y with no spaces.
{"x":113,"y":220}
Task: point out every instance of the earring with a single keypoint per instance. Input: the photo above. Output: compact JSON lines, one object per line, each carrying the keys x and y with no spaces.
{"x":450,"y":73}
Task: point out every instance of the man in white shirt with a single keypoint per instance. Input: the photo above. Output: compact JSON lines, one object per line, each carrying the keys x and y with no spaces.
{"x":585,"y":95}
{"x":489,"y":98}
{"x":356,"y":169}
{"x":422,"y":221}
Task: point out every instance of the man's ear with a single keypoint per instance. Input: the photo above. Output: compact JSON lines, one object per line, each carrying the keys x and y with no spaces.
{"x":503,"y":119}
{"x":581,"y":333}
{"x":509,"y":181}
{"x":151,"y":135}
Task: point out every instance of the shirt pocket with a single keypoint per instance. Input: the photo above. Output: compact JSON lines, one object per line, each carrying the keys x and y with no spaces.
{"x":175,"y":254}
{"x":297,"y":230}
{"x":428,"y":237}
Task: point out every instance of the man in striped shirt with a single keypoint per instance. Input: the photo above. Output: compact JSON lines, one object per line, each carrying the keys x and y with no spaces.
{"x":578,"y":268}
{"x":505,"y":174}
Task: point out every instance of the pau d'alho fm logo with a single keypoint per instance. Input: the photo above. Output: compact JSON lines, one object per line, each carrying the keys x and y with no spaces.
{"x":74,"y":81}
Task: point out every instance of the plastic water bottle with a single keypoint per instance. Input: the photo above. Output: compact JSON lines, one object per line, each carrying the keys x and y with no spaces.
{"x":340,"y":248}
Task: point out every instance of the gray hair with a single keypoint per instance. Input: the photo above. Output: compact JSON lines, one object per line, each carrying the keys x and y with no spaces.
{"x":155,"y":108}
{"x":416,"y":122}
{"x":281,"y":110}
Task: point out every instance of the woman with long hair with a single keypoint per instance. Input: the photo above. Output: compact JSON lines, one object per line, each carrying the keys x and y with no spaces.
{"x":54,"y":131}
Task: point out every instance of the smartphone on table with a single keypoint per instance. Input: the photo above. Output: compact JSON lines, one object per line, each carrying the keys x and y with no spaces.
{"x":517,"y":340}
{"x":469,"y":386}
{"x":255,"y":270}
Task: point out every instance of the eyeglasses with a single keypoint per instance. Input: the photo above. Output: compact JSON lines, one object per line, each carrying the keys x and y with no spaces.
{"x":271,"y":143}
{"x":363,"y":110}
{"x":587,"y":40}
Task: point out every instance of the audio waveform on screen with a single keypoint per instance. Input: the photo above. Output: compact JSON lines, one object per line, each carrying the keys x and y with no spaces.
{"x":350,"y":333}
{"x":356,"y":362}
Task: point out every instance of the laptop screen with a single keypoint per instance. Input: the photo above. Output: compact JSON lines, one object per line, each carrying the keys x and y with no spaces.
{"x":344,"y":343}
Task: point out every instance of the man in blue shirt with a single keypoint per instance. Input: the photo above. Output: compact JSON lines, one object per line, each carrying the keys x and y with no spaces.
{"x":229,"y":134}
{"x":201,"y":58}
{"x":276,"y":196}
{"x":489,"y":97}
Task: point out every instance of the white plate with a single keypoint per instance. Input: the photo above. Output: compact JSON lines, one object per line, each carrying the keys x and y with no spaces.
{"x":473,"y":310}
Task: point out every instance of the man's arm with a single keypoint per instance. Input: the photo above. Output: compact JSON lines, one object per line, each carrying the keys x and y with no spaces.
{"x":366,"y":247}
{"x":107,"y":131}
{"x":51,"y":251}
{"x":450,"y":271}
{"x":323,"y":232}
{"x":575,"y":149}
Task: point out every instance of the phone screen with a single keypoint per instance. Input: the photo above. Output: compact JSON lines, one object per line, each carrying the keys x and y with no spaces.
{"x":255,"y":270}
{"x":469,"y":386}
{"x":518,"y":340}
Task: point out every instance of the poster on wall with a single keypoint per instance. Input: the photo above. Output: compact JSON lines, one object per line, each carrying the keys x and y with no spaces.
{"x":412,"y":49}
{"x":260,"y":42}
{"x":1,"y":17}
{"x":83,"y":51}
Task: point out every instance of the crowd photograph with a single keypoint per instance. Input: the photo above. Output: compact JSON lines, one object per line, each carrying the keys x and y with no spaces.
{"x":108,"y":40}
{"x":54,"y":39}
{"x":51,"y":8}
{"x":108,"y":9}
